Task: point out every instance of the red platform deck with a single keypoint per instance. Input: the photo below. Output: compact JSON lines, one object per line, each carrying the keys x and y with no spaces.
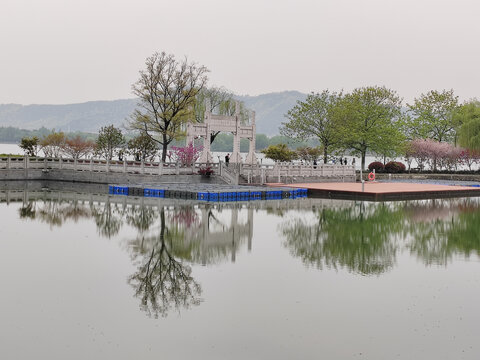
{"x":378,"y":191}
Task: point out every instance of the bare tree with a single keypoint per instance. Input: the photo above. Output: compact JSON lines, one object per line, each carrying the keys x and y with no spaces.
{"x":78,"y":147}
{"x":166,"y":89}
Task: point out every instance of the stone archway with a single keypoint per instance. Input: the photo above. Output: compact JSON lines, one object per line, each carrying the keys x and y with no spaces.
{"x":224,"y":123}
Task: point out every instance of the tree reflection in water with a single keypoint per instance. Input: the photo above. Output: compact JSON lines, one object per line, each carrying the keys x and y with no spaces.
{"x":357,"y":238}
{"x":54,"y":213}
{"x":444,"y":229}
{"x":28,"y":211}
{"x":108,"y":218}
{"x":169,"y":239}
{"x":366,"y":238}
{"x":185,"y":235}
{"x":161,"y":282}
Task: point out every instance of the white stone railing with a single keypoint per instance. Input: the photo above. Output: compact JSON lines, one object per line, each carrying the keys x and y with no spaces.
{"x":278,"y":171}
{"x":228,"y":174}
{"x":281,"y":171}
{"x":100,"y":165}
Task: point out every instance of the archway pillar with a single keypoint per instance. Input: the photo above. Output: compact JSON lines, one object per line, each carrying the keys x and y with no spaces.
{"x":251,"y":157}
{"x":206,"y":156}
{"x":236,"y":157}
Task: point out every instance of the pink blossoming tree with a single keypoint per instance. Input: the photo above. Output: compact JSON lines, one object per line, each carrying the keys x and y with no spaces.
{"x":439,"y":155}
{"x":187,"y":155}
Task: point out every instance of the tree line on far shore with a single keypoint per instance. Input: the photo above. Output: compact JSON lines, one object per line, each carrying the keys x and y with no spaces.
{"x":34,"y":141}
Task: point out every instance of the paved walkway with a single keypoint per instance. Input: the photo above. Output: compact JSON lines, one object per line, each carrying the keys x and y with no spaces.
{"x":378,"y":191}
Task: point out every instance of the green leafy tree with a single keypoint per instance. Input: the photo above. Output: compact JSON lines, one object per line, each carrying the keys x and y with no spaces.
{"x":109,"y":142}
{"x":30,"y":145}
{"x":142,"y":147}
{"x":314,"y":118}
{"x":53,"y":145}
{"x":432,"y":116}
{"x":279,"y":152}
{"x":370,"y":119}
{"x":468,"y":119}
{"x":167,"y":90}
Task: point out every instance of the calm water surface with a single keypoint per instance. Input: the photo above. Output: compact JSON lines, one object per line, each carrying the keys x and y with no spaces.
{"x":90,"y":276}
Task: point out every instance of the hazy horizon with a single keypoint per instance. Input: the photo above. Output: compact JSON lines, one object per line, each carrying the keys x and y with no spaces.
{"x":133,"y":97}
{"x":67,"y":52}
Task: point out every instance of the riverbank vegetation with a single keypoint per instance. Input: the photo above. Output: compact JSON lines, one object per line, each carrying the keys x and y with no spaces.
{"x":435,"y":130}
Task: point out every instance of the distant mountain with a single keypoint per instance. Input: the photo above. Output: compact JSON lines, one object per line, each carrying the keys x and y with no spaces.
{"x":270,"y":109}
{"x":91,"y":116}
{"x":86,"y":117}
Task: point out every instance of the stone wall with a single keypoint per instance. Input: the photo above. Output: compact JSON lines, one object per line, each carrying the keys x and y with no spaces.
{"x":102,"y":177}
{"x":306,"y":179}
{"x":454,"y":177}
{"x":23,"y":174}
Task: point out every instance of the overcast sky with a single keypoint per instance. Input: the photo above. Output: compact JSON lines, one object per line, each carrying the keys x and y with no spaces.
{"x":68,"y":51}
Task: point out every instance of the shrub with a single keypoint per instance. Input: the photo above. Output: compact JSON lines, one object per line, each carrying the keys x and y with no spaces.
{"x":205,"y":171}
{"x":377,"y":166}
{"x":279,"y":152}
{"x":394,"y":167}
{"x":30,"y":145}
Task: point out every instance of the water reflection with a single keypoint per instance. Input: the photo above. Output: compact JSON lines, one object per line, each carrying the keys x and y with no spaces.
{"x":365,"y":238}
{"x":54,"y":213}
{"x":169,"y":239}
{"x":162,"y":281}
{"x":445,"y":229}
{"x":358,"y":238}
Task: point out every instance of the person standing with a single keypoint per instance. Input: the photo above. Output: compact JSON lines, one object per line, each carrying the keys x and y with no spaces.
{"x":227,"y":159}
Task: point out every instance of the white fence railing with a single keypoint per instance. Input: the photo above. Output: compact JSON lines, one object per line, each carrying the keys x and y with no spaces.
{"x":98,"y":165}
{"x":288,"y":170}
{"x":230,"y":173}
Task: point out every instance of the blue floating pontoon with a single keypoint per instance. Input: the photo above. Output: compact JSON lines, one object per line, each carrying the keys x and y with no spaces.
{"x":207,"y":192}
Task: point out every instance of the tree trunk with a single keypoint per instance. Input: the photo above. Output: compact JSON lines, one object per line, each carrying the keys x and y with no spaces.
{"x":325,"y":154}
{"x":162,"y":223}
{"x":363,"y":160}
{"x":164,"y":148}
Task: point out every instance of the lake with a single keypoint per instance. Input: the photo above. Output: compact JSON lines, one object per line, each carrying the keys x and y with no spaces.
{"x":12,"y":149}
{"x":87,"y":275}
